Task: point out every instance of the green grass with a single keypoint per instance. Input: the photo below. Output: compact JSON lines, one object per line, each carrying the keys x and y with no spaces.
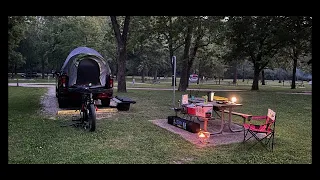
{"x":128,"y":136}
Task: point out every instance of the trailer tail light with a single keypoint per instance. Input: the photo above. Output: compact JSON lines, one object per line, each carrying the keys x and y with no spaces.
{"x":63,"y":81}
{"x":109,"y":83}
{"x":102,"y":96}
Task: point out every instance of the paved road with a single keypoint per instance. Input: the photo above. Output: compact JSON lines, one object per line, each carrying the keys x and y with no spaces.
{"x":52,"y":85}
{"x":146,"y":88}
{"x":33,"y":84}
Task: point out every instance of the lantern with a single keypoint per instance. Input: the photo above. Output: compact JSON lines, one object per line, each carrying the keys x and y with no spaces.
{"x":233,"y":99}
{"x":210,"y":96}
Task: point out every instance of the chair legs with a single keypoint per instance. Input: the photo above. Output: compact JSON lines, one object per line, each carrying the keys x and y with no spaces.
{"x":267,"y":141}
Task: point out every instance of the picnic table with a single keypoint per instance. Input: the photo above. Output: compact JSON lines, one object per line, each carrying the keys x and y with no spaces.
{"x":217,"y":107}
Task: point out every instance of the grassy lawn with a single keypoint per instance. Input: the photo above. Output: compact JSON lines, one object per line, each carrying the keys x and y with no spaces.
{"x":128,"y":136}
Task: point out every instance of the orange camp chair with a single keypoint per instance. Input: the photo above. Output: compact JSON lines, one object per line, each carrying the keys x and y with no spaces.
{"x":267,"y":129}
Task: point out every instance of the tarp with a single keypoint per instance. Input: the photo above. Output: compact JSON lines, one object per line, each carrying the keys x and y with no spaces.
{"x":70,"y":66}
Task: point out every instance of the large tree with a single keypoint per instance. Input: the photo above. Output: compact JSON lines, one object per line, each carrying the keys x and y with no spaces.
{"x":49,"y":39}
{"x":299,"y":29}
{"x":143,"y":47}
{"x":170,"y":30}
{"x":186,"y":63}
{"x":121,"y":38}
{"x":199,"y":33}
{"x":257,"y":37}
{"x":17,"y":26}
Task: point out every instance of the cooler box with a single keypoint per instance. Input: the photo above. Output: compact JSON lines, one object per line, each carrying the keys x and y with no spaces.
{"x":203,"y":109}
{"x":191,"y":109}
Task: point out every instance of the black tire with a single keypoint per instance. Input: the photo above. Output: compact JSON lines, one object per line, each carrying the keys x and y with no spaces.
{"x":92,"y":118}
{"x":62,"y":103}
{"x":57,"y":95}
{"x":105,"y":102}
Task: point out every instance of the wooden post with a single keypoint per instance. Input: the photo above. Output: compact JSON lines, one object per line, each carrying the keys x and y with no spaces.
{"x":205,"y":124}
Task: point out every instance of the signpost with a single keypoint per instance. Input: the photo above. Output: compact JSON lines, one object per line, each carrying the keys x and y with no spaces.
{"x":174,"y":79}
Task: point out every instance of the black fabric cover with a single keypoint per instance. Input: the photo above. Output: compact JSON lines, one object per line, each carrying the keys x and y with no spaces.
{"x":88,"y":72}
{"x":126,"y":100}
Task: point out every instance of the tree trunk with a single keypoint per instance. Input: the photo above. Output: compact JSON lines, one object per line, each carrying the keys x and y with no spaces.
{"x":122,"y":50}
{"x":295,"y":61}
{"x":190,"y":62}
{"x":242,"y":73}
{"x":235,"y":74}
{"x":15,"y":69}
{"x":142,"y":77}
{"x":262,"y":77}
{"x":200,"y":72}
{"x":155,"y":75}
{"x":121,"y":71}
{"x":184,"y":76}
{"x":255,"y":84}
{"x":184,"y":71}
{"x":42,"y":67}
{"x":193,"y":55}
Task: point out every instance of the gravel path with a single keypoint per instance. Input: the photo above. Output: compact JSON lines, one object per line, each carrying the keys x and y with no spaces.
{"x":49,"y":103}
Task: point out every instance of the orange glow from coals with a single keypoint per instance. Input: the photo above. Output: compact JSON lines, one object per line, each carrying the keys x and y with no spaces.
{"x":201,"y":135}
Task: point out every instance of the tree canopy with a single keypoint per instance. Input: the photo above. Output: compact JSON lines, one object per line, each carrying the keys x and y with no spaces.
{"x":144,"y":45}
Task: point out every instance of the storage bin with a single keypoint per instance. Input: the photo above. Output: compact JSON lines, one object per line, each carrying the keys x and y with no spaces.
{"x":203,"y":109}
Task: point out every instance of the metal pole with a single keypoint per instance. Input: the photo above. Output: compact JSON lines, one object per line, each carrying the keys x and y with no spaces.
{"x":174,"y":80}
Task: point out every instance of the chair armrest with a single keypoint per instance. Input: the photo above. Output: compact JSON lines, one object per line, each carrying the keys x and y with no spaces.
{"x":258,"y":117}
{"x":254,"y":118}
